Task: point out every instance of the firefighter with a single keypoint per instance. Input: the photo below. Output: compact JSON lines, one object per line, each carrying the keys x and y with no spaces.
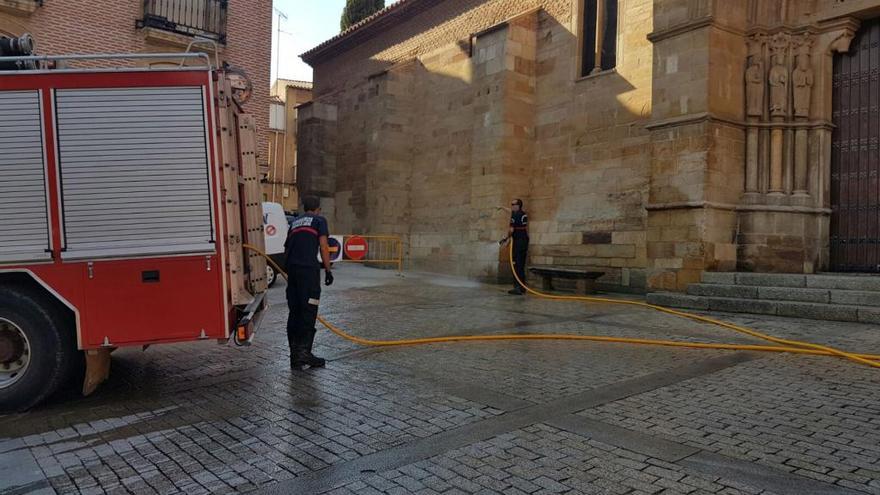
{"x":308,"y":233}
{"x":519,"y":234}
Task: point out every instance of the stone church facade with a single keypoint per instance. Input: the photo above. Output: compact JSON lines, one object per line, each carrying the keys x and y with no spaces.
{"x":650,"y":139}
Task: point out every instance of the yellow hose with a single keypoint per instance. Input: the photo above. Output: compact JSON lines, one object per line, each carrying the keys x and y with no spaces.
{"x":790,"y":346}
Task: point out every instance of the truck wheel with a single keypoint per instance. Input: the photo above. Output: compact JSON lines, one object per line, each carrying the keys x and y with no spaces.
{"x":271,"y":275}
{"x":36,"y":350}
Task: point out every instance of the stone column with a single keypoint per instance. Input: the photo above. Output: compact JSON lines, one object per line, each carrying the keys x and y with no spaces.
{"x":776,"y":156}
{"x":600,"y":35}
{"x":752,"y":137}
{"x":801,"y":159}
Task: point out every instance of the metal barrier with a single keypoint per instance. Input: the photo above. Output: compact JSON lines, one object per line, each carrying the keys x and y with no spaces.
{"x":380,"y":249}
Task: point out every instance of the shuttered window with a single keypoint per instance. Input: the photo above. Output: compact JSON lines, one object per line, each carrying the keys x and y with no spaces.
{"x":24,"y":227}
{"x":134,"y":170}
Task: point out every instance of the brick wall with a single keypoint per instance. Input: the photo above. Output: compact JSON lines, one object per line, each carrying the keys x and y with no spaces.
{"x":108,"y":26}
{"x":249,"y":46}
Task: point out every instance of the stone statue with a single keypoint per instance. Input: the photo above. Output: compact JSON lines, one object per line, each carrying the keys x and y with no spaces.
{"x":755,"y":79}
{"x":779,"y":78}
{"x":802,"y":79}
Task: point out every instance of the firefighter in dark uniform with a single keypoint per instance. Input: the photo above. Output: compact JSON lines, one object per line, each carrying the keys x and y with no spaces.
{"x":308,"y":234}
{"x":519,"y":234}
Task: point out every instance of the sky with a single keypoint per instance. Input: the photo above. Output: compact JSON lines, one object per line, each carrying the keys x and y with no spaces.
{"x":308,"y":24}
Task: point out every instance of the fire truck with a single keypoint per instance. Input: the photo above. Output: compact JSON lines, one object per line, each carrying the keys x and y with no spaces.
{"x":128,"y":191}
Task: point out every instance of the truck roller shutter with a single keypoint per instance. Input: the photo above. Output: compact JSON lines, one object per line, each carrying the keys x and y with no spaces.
{"x":134,"y":169}
{"x":24,"y":226}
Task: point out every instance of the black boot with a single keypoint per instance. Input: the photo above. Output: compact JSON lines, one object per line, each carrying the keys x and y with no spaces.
{"x":311,"y":359}
{"x":304,"y":359}
{"x":295,"y":351}
{"x":516,"y":291}
{"x":297,"y":359}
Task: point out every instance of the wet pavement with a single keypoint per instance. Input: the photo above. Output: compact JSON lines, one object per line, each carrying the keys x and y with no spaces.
{"x":535,"y":417}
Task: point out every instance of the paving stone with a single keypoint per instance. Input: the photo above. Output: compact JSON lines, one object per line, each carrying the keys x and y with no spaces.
{"x":609,"y":468}
{"x":197,"y":418}
{"x":780,"y":408}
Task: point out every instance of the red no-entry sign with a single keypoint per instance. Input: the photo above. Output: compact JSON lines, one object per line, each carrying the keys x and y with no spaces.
{"x":356,"y":248}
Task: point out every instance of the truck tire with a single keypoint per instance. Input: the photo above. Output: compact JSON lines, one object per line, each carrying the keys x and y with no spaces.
{"x":37,"y":349}
{"x":271,"y":275}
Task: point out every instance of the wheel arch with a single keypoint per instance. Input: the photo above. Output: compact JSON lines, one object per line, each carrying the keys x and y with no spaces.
{"x":31,"y":282}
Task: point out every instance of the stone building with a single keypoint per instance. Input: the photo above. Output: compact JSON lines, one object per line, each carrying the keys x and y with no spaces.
{"x":280,"y":184}
{"x":650,"y":139}
{"x":242,"y":30}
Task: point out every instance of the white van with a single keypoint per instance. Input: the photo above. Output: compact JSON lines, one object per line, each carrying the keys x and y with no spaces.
{"x":275,"y":229}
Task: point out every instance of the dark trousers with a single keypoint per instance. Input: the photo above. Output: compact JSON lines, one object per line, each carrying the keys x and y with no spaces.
{"x":303,"y":294}
{"x":520,"y":254}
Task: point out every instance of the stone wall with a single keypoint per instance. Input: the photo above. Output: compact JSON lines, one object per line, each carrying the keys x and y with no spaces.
{"x":433,"y":146}
{"x":592,"y":169}
{"x":696,"y":162}
{"x":683,"y":159}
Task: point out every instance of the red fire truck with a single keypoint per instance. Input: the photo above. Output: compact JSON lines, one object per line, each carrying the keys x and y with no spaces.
{"x":127,"y":193}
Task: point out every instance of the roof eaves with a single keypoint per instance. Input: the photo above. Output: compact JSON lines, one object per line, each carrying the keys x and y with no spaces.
{"x":362,"y":29}
{"x":295,"y":84}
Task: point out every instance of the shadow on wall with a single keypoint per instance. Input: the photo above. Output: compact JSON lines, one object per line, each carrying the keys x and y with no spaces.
{"x":409,"y":39}
{"x":431,"y":149}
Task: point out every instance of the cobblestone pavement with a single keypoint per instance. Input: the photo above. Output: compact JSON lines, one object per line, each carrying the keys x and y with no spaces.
{"x":533,"y":417}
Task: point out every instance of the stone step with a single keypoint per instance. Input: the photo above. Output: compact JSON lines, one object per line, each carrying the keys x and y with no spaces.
{"x":723,"y":290}
{"x":821,"y":281}
{"x":827,"y":296}
{"x":793,"y":309}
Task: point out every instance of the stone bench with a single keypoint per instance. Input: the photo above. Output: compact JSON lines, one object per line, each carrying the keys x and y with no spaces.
{"x":585,"y":280}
